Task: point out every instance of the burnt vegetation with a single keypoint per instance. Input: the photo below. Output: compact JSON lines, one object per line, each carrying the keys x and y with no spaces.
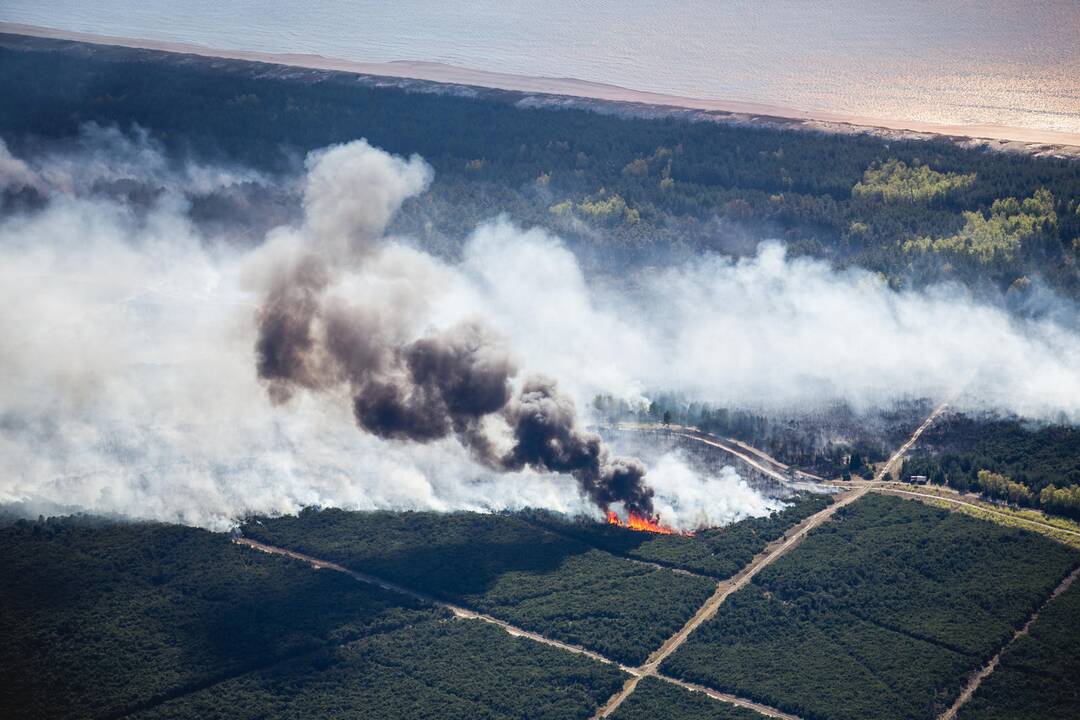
{"x":832,"y":441}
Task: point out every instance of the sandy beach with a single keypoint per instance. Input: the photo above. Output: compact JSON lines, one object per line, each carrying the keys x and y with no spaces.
{"x":1000,"y":137}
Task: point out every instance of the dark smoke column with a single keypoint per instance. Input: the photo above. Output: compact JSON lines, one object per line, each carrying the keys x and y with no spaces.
{"x":405,"y":386}
{"x":548,"y":437}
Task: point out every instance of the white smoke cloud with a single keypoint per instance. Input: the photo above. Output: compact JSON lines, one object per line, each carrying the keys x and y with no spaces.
{"x":692,"y":499}
{"x":128,"y":359}
{"x":351,"y":193}
{"x":100,"y":156}
{"x":770,"y":331}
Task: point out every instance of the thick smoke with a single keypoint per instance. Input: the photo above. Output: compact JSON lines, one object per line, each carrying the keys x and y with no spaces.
{"x":454,"y":381}
{"x":153,"y":368}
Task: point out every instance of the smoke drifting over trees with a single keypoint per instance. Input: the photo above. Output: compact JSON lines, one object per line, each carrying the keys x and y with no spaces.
{"x":159,"y":369}
{"x":455,"y":381}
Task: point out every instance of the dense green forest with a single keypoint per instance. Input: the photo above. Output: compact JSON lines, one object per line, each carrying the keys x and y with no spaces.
{"x":720,"y":552}
{"x":465,"y":670}
{"x":657,"y":700}
{"x":1037,"y":675}
{"x":502,"y":565}
{"x":1005,"y":459}
{"x":882,"y":612}
{"x":618,"y":187}
{"x":101,"y":619}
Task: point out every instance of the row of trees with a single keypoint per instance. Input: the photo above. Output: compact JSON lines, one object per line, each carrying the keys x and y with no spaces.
{"x":1028,"y":465}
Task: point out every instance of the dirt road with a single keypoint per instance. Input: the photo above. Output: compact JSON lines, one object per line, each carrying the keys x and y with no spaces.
{"x":458,"y":611}
{"x":762,"y":463}
{"x":465,"y":613}
{"x":770,"y":554}
{"x":980,"y":507}
{"x":725,"y":589}
{"x":752,"y":462}
{"x":897,"y":456}
{"x":752,"y":456}
{"x":733,"y":700}
{"x":977,"y":678}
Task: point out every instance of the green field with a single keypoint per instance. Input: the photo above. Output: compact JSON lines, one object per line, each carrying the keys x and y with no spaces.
{"x":720,"y":552}
{"x":502,"y":565}
{"x":882,"y":612}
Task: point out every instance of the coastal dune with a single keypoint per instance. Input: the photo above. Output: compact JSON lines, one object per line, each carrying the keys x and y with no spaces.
{"x":1022,"y":139}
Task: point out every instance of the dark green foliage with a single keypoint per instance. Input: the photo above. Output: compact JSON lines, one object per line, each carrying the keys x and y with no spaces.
{"x":1037,"y":677}
{"x":687,"y":186}
{"x":657,"y":700}
{"x":450,"y":670}
{"x":720,"y":552}
{"x":501,"y":565}
{"x":882,"y":613}
{"x":98,"y":616}
{"x":957,"y":447}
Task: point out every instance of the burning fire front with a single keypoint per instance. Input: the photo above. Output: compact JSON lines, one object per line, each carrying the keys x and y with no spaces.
{"x":638,"y":522}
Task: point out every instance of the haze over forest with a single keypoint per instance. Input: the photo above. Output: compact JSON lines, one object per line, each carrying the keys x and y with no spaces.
{"x":756,"y":396}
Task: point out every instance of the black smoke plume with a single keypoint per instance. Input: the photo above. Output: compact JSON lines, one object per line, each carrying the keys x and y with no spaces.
{"x":458,"y":382}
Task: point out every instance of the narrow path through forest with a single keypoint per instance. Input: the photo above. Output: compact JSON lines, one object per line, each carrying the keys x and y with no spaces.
{"x":465,"y":613}
{"x":724,"y":589}
{"x":763,"y":463}
{"x":458,"y":610}
{"x":981,"y":507}
{"x":984,"y":672}
{"x":770,"y":554}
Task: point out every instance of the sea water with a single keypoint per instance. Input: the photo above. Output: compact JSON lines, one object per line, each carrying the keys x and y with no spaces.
{"x":1003,"y":62}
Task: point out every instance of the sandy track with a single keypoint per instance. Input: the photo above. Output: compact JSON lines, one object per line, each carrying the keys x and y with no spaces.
{"x":897,"y":456}
{"x":731,"y":699}
{"x":458,"y":611}
{"x":977,"y":506}
{"x":465,"y":613}
{"x":763,"y":463}
{"x":984,"y":672}
{"x":725,"y":589}
{"x":757,"y":465}
{"x":770,"y":554}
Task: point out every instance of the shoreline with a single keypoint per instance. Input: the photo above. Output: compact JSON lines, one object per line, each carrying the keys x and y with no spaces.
{"x":1030,"y":140}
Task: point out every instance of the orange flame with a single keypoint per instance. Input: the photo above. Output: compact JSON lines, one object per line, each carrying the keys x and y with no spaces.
{"x":638,"y":522}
